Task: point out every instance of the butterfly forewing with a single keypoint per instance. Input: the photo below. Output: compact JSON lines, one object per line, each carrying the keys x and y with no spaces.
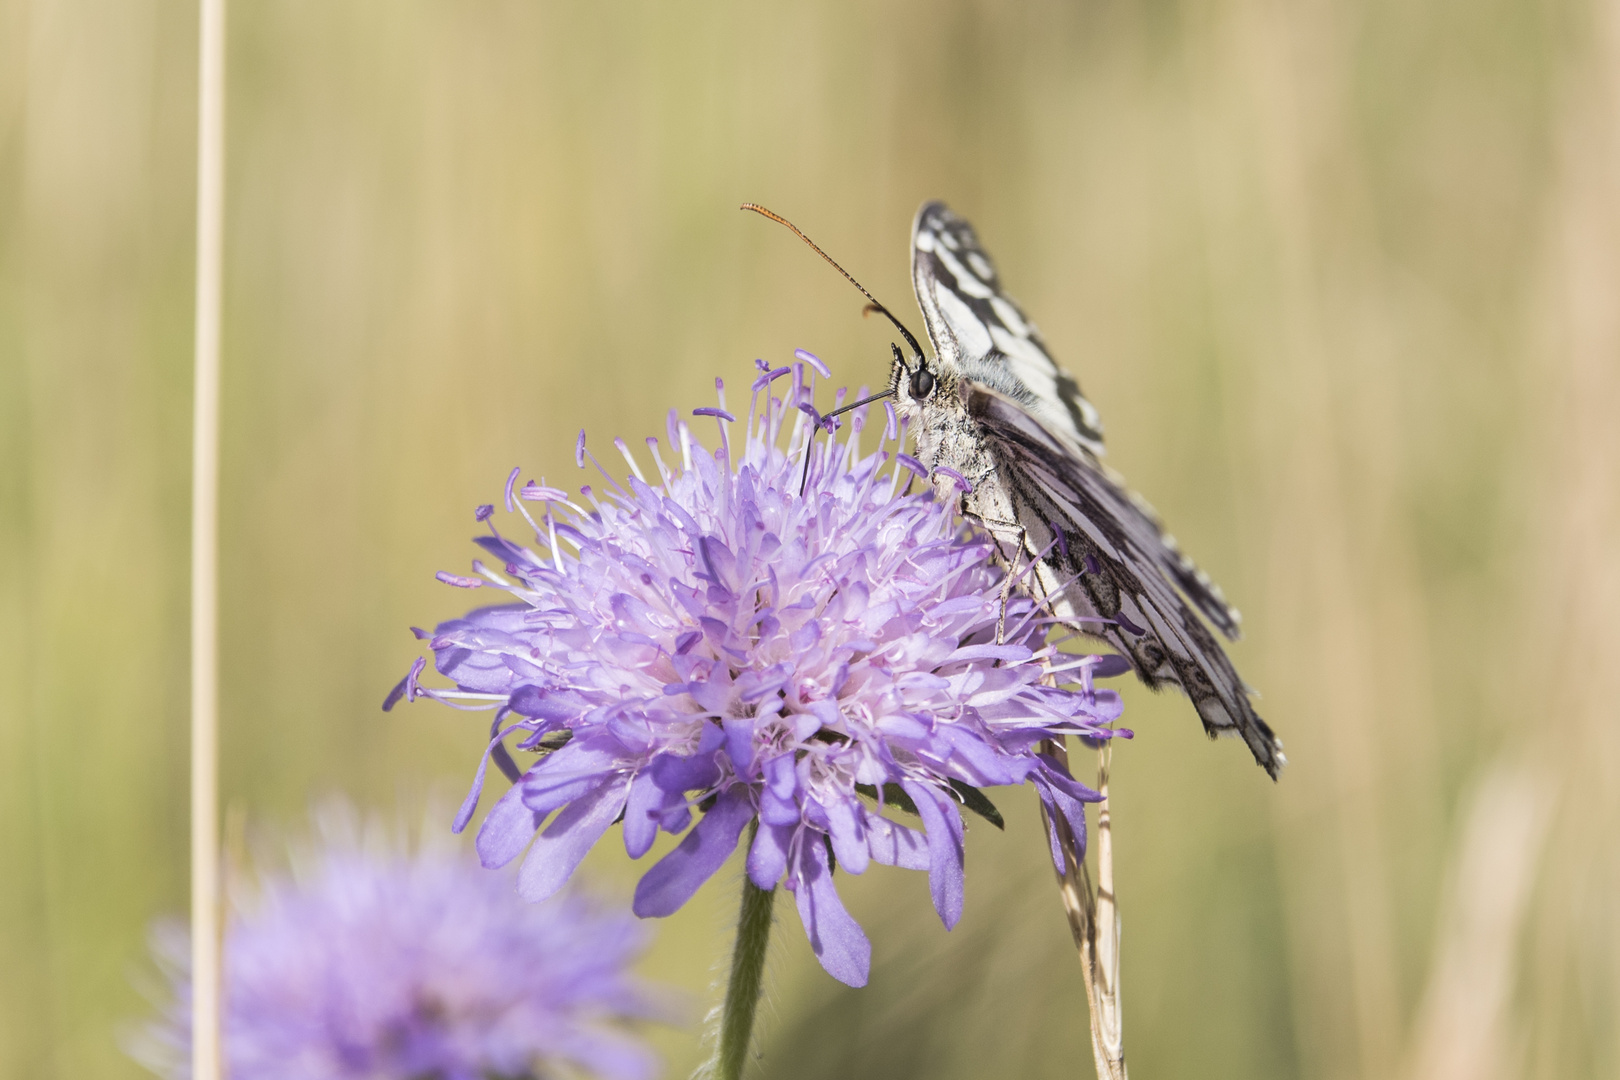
{"x":1017,"y":424}
{"x":977,"y":327}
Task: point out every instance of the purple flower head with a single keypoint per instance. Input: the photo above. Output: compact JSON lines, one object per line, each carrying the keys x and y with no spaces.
{"x":707,"y":645}
{"x":383,"y":965}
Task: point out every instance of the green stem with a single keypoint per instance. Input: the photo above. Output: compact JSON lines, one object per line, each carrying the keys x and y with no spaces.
{"x":747,"y":980}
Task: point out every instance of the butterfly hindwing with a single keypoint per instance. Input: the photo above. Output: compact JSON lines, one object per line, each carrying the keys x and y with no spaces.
{"x":1107,"y":566}
{"x":1148,"y":535}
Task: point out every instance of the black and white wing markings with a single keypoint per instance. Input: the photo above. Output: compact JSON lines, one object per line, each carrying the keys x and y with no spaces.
{"x":1148,"y":533}
{"x":985,"y":336}
{"x":979,"y":331}
{"x":1109,"y":565}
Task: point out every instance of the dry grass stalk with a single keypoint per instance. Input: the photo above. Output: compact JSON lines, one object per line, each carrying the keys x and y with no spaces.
{"x":1094,"y":922}
{"x":206,"y":1001}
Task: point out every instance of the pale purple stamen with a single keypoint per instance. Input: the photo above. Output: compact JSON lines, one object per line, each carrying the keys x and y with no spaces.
{"x":458,"y":581}
{"x":624,"y":452}
{"x":814,"y":361}
{"x":769,"y":377}
{"x":511,"y":480}
{"x":412,"y":690}
{"x":533,"y":492}
{"x":961,"y":481}
{"x":913,"y":464}
{"x":658,"y":459}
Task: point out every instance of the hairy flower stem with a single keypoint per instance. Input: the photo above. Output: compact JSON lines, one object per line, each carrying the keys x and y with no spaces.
{"x":747,"y":980}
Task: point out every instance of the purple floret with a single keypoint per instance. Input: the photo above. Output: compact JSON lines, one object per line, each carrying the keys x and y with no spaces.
{"x":715,"y":648}
{"x":375,"y":964}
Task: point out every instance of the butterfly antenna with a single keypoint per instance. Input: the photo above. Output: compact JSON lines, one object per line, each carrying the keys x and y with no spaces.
{"x":874,"y":303}
{"x":858,"y":404}
{"x":805,"y":479}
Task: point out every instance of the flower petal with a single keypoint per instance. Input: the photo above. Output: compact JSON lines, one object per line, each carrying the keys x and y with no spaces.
{"x":674,"y":878}
{"x":892,"y":844}
{"x":497,"y":750}
{"x":946,"y":871}
{"x":845,"y":826}
{"x":1072,"y":809}
{"x":554,"y":705}
{"x":835,"y":937}
{"x":740,"y":743}
{"x":507,"y":829}
{"x":1050,"y":820}
{"x":677,"y":774}
{"x":778,"y":799}
{"x":572,"y":772}
{"x":1058,"y":776}
{"x":643,"y":809}
{"x":560,"y":848}
{"x":768,"y":856}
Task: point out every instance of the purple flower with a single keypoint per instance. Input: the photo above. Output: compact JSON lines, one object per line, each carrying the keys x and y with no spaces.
{"x":384,"y":965}
{"x":709,"y":644}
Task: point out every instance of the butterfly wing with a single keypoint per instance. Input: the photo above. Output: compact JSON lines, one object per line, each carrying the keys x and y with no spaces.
{"x":978,"y":331}
{"x":1108,"y":561}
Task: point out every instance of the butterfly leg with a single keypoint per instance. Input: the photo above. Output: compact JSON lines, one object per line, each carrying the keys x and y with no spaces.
{"x":1006,"y":595}
{"x":997,"y":529}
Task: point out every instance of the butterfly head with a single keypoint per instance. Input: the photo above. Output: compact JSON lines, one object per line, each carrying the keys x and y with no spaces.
{"x":911,"y":382}
{"x":928,"y":396}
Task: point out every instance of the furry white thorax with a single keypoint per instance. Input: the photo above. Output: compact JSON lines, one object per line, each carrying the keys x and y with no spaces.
{"x":948,"y":437}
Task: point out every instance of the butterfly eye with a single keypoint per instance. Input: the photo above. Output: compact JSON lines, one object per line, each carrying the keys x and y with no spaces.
{"x":922,"y":383}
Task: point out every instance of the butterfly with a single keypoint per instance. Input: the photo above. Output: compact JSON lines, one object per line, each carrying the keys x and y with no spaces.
{"x":1006,"y":430}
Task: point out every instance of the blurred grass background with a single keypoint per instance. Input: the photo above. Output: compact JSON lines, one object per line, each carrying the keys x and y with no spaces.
{"x":1343,"y":278}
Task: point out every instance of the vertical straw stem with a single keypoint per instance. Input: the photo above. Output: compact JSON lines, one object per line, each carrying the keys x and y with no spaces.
{"x":746,"y":982}
{"x":1106,"y":1032}
{"x":205,"y":893}
{"x":1094,"y":922}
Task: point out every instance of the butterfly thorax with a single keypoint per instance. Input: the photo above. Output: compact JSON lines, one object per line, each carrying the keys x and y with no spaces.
{"x":950,"y":444}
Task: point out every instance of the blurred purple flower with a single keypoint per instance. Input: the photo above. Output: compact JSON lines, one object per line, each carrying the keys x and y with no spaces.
{"x":384,"y":965}
{"x":715,"y":642}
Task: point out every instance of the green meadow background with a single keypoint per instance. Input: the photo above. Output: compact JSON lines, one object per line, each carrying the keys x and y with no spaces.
{"x":1343,"y":278}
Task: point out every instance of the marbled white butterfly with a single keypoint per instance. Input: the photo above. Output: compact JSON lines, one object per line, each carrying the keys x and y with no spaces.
{"x":998,"y":423}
